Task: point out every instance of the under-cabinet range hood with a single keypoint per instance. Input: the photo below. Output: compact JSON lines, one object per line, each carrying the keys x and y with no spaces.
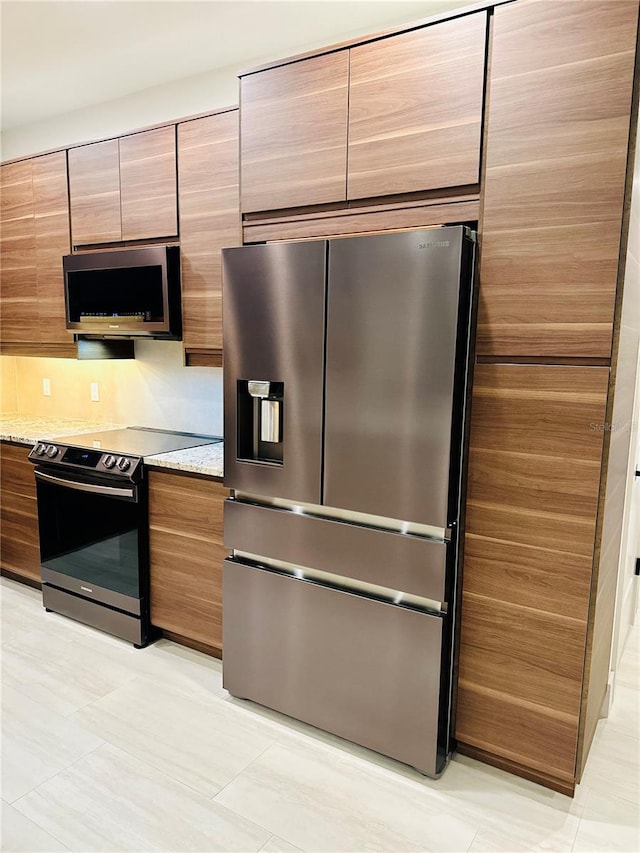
{"x":347,"y":371}
{"x":125,"y":293}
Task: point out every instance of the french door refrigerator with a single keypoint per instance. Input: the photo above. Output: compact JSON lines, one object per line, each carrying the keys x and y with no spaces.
{"x":346,"y":374}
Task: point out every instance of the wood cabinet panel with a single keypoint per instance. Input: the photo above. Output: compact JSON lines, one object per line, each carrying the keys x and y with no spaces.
{"x":18,"y":293}
{"x":148,"y":190}
{"x":94,"y":193}
{"x":186,"y":553}
{"x":558,"y":131}
{"x":415,"y":109}
{"x":534,"y":473}
{"x":19,"y":546}
{"x":293,"y":134}
{"x":53,"y":240}
{"x":35,"y":235}
{"x":209,"y":221}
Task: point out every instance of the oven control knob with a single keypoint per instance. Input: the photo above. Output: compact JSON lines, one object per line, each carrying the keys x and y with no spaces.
{"x":52,"y":451}
{"x":41,"y":449}
{"x":123,"y":463}
{"x":109,"y":461}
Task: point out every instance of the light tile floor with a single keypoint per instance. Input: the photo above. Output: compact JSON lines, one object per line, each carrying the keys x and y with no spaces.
{"x":107,"y":748}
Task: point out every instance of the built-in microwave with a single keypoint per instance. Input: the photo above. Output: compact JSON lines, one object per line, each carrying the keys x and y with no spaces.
{"x":124,"y":293}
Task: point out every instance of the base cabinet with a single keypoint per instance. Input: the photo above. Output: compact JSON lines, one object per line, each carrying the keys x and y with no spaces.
{"x":186,"y":555}
{"x":19,"y":548}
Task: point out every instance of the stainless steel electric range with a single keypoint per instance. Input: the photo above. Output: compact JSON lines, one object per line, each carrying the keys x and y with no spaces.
{"x":93,"y":525}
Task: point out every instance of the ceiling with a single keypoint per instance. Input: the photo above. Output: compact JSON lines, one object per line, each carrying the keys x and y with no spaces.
{"x":63,"y":56}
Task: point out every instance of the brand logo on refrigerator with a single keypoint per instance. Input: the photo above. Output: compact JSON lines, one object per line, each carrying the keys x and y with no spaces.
{"x":441,"y":244}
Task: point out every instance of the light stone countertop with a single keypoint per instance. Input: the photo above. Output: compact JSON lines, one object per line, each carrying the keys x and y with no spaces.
{"x":208,"y":459}
{"x":27,"y":429}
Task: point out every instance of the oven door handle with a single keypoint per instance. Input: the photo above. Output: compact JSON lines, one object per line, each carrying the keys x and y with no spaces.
{"x":94,"y":488}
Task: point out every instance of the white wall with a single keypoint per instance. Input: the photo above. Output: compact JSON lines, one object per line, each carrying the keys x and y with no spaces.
{"x":152,"y":390}
{"x":168,"y":101}
{"x":629,"y":359}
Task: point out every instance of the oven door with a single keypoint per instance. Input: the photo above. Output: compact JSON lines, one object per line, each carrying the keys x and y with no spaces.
{"x":92,"y":537}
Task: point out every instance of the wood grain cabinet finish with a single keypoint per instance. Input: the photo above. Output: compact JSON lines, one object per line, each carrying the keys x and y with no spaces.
{"x":534,"y":473}
{"x":415,"y":109}
{"x":293,"y":134}
{"x":124,"y":189}
{"x":186,"y":554}
{"x":51,"y":207}
{"x":19,"y":546}
{"x":209,"y":221}
{"x":34,"y":223}
{"x":18,"y":273}
{"x":148,"y":184}
{"x":94,"y":193}
{"x":557,"y":138}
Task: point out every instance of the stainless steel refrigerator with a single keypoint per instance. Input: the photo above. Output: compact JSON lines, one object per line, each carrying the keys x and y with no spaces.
{"x":346,"y":379}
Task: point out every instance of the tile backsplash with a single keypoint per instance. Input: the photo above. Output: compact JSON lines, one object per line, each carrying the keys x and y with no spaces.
{"x":153,"y":390}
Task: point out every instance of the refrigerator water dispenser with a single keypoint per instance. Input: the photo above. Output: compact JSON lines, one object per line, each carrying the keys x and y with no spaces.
{"x":260,"y":405}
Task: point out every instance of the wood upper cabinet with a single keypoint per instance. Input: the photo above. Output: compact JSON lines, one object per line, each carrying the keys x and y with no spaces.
{"x":124,"y":189}
{"x":35,"y":236}
{"x":209,"y":221}
{"x":94,"y":193}
{"x":293,"y":134}
{"x":51,"y":206}
{"x":415,"y":109}
{"x":557,"y":139}
{"x":19,"y":545}
{"x":18,"y":273}
{"x":534,"y":473}
{"x":148,"y":186}
{"x":186,"y":554}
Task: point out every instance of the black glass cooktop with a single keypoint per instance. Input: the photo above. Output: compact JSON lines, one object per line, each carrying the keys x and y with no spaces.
{"x":137,"y":441}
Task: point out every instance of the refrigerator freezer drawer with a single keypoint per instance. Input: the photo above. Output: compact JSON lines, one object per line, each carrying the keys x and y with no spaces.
{"x":397,"y":561}
{"x":361,"y":669}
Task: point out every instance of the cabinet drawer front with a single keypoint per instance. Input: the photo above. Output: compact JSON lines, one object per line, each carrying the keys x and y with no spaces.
{"x":396,"y":561}
{"x":415,"y":109}
{"x":364,"y":670}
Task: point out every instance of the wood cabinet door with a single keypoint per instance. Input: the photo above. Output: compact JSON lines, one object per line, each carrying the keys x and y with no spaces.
{"x":415,"y":109}
{"x":186,"y":554}
{"x":209,"y":221}
{"x":18,"y":274}
{"x":19,"y":544}
{"x":94,"y":193}
{"x":293,"y":134}
{"x":557,"y":138}
{"x":534,"y":472}
{"x":52,"y":241}
{"x":148,"y":184}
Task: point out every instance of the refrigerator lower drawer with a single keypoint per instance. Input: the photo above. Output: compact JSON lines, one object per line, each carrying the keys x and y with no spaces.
{"x":362,"y":669}
{"x":397,"y":561}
